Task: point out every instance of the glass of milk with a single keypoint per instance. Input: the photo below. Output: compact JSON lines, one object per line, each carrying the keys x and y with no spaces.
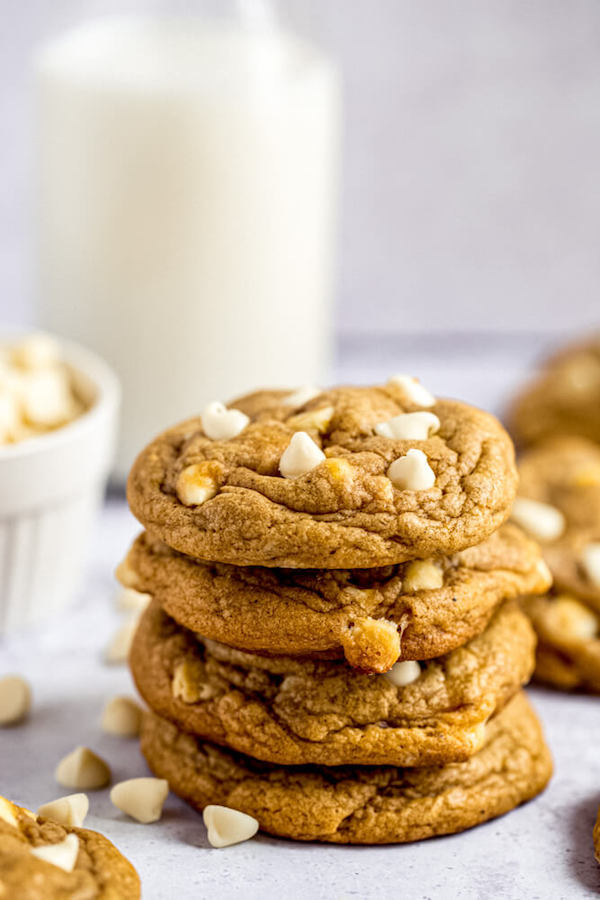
{"x":188,"y":187}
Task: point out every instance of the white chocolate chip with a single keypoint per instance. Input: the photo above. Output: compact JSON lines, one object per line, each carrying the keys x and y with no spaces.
{"x":15,"y":699}
{"x":130,"y":600}
{"x":403,"y":673}
{"x":69,"y":811}
{"x":590,"y":559}
{"x":422,"y":575}
{"x":36,"y":351}
{"x":540,"y":520}
{"x":416,"y":426}
{"x":10,"y":418}
{"x":569,"y":618}
{"x":228,"y":826}
{"x":82,"y":769}
{"x":141,"y":798}
{"x":413,"y":390}
{"x":302,"y":395}
{"x":117,"y":650}
{"x":412,"y":472}
{"x":47,"y":399}
{"x":195,"y":485}
{"x":63,"y":854}
{"x":122,"y":716}
{"x":313,"y":420}
{"x":220,"y":423}
{"x":300,"y":456}
{"x":8,"y":812}
{"x":126,"y":575}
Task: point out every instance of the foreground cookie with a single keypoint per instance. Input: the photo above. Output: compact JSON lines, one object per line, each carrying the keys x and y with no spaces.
{"x":345,"y":479}
{"x":42,"y":860}
{"x":294,"y":711}
{"x":369,"y":805}
{"x":568,"y":652}
{"x":414,"y":610}
{"x":563,"y":399}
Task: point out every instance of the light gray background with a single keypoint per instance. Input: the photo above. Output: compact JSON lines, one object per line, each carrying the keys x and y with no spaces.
{"x":471,"y":188}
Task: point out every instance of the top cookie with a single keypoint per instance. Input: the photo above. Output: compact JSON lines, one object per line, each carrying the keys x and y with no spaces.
{"x":352,"y":477}
{"x":563,"y":399}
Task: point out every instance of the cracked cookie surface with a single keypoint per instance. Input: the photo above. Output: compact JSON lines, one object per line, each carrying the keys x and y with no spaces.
{"x":307,"y":612}
{"x":294,"y":711}
{"x":100,"y":871}
{"x":364,"y":805}
{"x":564,"y":399}
{"x":345,"y":512}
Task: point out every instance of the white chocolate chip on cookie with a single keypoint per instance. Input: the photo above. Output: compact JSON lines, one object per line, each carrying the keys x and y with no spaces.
{"x":569,"y":618}
{"x":141,"y":798}
{"x":301,"y":396}
{"x":422,"y":575}
{"x":82,"y":769}
{"x":15,"y":699}
{"x":8,"y":812}
{"x":195,"y":485}
{"x":220,"y":423}
{"x":69,"y":811}
{"x":413,"y":390}
{"x":416,"y":426}
{"x":122,"y":716}
{"x":403,"y":673}
{"x":590,"y":559}
{"x":63,"y":854}
{"x":130,"y":600}
{"x":300,"y":456}
{"x":541,"y":520}
{"x":412,"y":472}
{"x":117,"y":650}
{"x":228,"y":826}
{"x":313,"y":420}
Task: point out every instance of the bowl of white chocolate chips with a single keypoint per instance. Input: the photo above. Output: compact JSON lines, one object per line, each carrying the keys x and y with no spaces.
{"x":58,"y":412}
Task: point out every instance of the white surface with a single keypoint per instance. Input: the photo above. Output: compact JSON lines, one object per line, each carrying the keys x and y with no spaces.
{"x":542,"y":850}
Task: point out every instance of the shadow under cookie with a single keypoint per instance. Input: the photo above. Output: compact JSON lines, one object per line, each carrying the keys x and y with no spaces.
{"x":354,"y":805}
{"x":295,"y":711}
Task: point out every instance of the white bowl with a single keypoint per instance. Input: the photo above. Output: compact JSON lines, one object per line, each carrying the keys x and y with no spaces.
{"x":50,"y":490}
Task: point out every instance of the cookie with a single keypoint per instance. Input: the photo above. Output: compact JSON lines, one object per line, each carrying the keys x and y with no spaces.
{"x":596,"y":838}
{"x":564,"y":473}
{"x":568,"y":652}
{"x":564,"y":399}
{"x":295,"y":711}
{"x":352,"y":495}
{"x":354,"y":805}
{"x":100,"y":871}
{"x":414,"y":610}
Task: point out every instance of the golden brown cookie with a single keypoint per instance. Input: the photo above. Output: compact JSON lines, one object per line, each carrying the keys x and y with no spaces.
{"x":568,"y":652}
{"x":564,"y":473}
{"x":227,"y":501}
{"x":360,"y":805}
{"x":596,"y":837}
{"x":414,"y":610}
{"x":100,"y":872}
{"x":563,"y":399}
{"x":295,"y":711}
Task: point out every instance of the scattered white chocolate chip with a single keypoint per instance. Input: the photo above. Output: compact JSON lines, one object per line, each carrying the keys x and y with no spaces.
{"x":403,"y":672}
{"x":36,"y":351}
{"x":413,"y":390}
{"x":569,"y":618}
{"x":412,"y":472}
{"x":15,"y":699}
{"x":130,"y":600}
{"x":8,"y":812}
{"x":540,"y":520}
{"x":422,"y":575}
{"x":220,"y":423}
{"x":302,"y":395}
{"x":82,"y":769}
{"x":300,"y":456}
{"x":122,"y":716}
{"x":195,"y":485}
{"x":63,"y":854}
{"x":313,"y":420}
{"x":415,"y":426}
{"x":69,"y":811}
{"x":141,"y":798}
{"x":590,"y":559}
{"x":228,"y":826}
{"x":117,"y":650}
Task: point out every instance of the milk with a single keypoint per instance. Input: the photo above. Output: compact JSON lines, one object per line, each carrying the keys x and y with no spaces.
{"x":188,"y":177}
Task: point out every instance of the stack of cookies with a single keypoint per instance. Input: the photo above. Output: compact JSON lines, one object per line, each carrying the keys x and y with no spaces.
{"x":333,"y":644}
